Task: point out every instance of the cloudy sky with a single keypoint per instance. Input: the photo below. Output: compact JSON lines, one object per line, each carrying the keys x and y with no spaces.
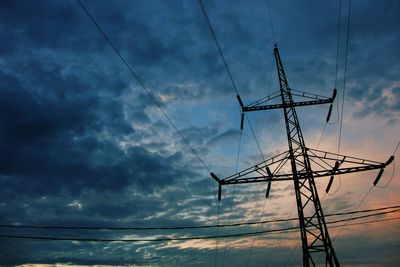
{"x":83,"y":144}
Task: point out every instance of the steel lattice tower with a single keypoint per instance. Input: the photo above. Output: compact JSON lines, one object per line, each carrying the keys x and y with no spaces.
{"x":306,"y":164}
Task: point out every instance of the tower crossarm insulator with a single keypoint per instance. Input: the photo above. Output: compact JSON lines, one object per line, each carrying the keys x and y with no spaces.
{"x":324,"y":164}
{"x":315,"y":100}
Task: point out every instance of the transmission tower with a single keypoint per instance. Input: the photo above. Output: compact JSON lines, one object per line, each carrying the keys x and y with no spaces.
{"x":306,"y":164}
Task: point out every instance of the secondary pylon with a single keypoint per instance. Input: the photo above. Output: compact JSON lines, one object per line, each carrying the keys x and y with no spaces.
{"x":306,"y":164}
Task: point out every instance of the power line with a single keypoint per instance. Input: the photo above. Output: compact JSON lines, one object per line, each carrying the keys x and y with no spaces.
{"x":210,"y":27}
{"x":255,"y":234}
{"x":276,"y":241}
{"x":395,"y":207}
{"x":345,"y":74}
{"x":186,"y":141}
{"x":397,"y":147}
{"x":359,"y":204}
{"x":255,"y":138}
{"x":270,"y":22}
{"x":337,"y":42}
{"x":216,"y":240}
{"x":336,"y":72}
{"x":233,"y":194}
{"x":164,"y":239}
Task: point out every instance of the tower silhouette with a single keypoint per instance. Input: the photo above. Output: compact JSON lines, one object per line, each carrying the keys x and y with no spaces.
{"x":305,"y":163}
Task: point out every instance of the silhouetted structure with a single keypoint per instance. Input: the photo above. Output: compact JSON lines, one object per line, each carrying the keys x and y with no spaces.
{"x":306,"y":164}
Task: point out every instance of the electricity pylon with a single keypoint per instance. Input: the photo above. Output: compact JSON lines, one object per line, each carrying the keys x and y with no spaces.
{"x":306,"y":165}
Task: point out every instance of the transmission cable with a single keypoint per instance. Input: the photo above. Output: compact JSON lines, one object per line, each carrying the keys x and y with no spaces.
{"x":365,"y":196}
{"x":270,"y":22}
{"x":147,"y":90}
{"x":216,"y":240}
{"x":340,"y":116}
{"x":276,"y":240}
{"x":336,"y":72}
{"x":255,"y":234}
{"x":345,"y":74}
{"x":187,"y":227}
{"x":210,"y":27}
{"x":165,"y":239}
{"x":233,"y":195}
{"x":341,"y":228}
{"x":337,"y":58}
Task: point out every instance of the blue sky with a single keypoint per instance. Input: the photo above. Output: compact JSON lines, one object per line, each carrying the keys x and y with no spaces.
{"x":82,"y":144}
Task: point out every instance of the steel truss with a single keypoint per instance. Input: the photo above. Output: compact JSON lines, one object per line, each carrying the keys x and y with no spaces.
{"x":302,"y":165}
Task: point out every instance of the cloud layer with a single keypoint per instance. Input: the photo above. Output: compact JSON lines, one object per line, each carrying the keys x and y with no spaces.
{"x":82,"y":144}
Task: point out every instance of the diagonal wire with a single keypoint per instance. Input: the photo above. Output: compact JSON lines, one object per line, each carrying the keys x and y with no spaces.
{"x":270,"y":22}
{"x":276,"y":240}
{"x":210,"y":27}
{"x":216,"y":240}
{"x":345,"y":73}
{"x":233,"y":196}
{"x":255,"y":234}
{"x":358,"y":206}
{"x":336,"y":71}
{"x":255,"y":138}
{"x":337,"y":58}
{"x":147,"y":90}
{"x":229,"y":74}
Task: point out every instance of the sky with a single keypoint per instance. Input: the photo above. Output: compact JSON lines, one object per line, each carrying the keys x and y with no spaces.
{"x":83,"y":144}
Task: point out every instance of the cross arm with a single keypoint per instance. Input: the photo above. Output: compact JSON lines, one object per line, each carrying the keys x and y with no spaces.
{"x":316,"y":100}
{"x":324,"y":164}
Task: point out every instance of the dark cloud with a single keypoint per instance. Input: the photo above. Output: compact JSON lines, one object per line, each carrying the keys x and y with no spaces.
{"x":83,"y":144}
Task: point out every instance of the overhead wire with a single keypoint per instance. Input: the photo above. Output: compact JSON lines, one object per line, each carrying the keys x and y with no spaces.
{"x":270,"y":255}
{"x":216,"y":240}
{"x":337,"y":59}
{"x":345,"y":75}
{"x":237,"y":162}
{"x":186,"y":227}
{"x":265,"y":199}
{"x":165,"y":239}
{"x":366,"y":195}
{"x":233,"y":194}
{"x":344,"y":87}
{"x":214,"y":36}
{"x":358,"y":206}
{"x":336,"y":71}
{"x":275,"y":42}
{"x":270,"y":22}
{"x":147,"y":90}
{"x":211,"y":28}
{"x":353,"y":224}
{"x":339,"y":115}
{"x":255,"y":233}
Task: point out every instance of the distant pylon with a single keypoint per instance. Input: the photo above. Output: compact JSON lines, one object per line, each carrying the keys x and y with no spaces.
{"x":306,"y":165}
